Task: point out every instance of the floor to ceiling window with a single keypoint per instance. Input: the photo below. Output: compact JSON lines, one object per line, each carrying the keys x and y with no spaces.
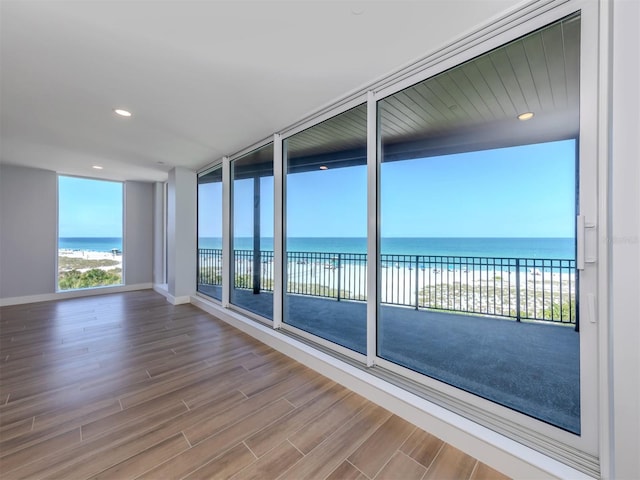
{"x":252,"y":240}
{"x":466,"y":182}
{"x":210,"y":233}
{"x":326,"y":225}
{"x":477,"y":226}
{"x":90,"y":223}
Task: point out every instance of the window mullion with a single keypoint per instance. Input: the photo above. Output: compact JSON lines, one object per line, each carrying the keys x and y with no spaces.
{"x":278,"y":234}
{"x":372,"y":228}
{"x":227,"y":231}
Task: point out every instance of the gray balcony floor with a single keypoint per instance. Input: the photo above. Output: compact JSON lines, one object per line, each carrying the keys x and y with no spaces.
{"x":530,"y":367}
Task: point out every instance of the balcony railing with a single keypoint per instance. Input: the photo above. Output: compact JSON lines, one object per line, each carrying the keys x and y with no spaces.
{"x":519,"y":288}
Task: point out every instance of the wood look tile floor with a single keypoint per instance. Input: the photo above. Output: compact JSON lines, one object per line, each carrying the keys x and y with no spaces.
{"x":128,"y":386}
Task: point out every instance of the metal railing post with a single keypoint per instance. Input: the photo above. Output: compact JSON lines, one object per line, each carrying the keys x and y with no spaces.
{"x":338,"y":273}
{"x":517,"y":289}
{"x":417,"y":289}
{"x":575,"y":297}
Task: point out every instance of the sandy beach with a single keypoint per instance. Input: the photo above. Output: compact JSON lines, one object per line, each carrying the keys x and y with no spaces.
{"x":97,"y":257}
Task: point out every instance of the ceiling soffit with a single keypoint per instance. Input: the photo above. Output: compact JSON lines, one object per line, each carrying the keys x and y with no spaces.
{"x":473,"y":106}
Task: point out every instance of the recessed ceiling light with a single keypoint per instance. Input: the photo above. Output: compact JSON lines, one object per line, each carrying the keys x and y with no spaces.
{"x":525,"y":116}
{"x":97,"y":167}
{"x":121,"y":112}
{"x":324,"y":167}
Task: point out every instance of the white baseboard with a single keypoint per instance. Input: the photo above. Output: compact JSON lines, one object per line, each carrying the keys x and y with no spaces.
{"x":161,"y":288}
{"x":178,"y":300}
{"x":84,"y":292}
{"x":492,"y":448}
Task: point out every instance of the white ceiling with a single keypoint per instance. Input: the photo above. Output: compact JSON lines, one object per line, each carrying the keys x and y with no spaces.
{"x":203,"y":78}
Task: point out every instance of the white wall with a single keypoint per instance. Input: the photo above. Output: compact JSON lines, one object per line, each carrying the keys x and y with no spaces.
{"x":181,"y":234}
{"x":28,"y":231}
{"x":138,"y":233}
{"x":29,"y":236}
{"x":624,"y":241}
{"x":159,"y":252}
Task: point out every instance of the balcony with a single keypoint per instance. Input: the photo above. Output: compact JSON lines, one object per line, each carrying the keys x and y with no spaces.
{"x":505,"y":329}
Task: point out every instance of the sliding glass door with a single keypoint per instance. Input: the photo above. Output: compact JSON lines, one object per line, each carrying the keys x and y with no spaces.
{"x":477,"y":226}
{"x":326,"y":225}
{"x":210,"y":233}
{"x":252,"y":240}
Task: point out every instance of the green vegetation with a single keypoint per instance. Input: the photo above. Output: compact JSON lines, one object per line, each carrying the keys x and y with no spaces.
{"x":213,"y":276}
{"x":91,"y":278}
{"x":565,"y":312}
{"x":489,"y":300}
{"x":318,"y":290}
{"x":246,"y":281}
{"x":210,"y":276}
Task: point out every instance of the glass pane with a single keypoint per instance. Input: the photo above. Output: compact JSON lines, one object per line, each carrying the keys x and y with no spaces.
{"x":252,"y":246}
{"x":210,"y":233}
{"x":477,"y":233}
{"x":89,"y":233}
{"x":326,"y":224}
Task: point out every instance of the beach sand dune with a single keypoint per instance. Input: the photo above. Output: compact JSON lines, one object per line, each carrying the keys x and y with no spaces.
{"x":101,"y":260}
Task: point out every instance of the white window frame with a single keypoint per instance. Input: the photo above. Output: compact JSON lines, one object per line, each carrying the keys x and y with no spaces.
{"x":579,"y":451}
{"x":218,"y":164}
{"x":352,"y":102}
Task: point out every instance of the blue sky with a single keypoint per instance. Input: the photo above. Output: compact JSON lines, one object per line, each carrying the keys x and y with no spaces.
{"x":210,"y":210}
{"x":525,"y":191}
{"x":89,"y":208}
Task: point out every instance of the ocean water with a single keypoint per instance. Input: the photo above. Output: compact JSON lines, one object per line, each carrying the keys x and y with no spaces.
{"x":560,"y":248}
{"x":95,"y":244}
{"x":555,"y":248}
